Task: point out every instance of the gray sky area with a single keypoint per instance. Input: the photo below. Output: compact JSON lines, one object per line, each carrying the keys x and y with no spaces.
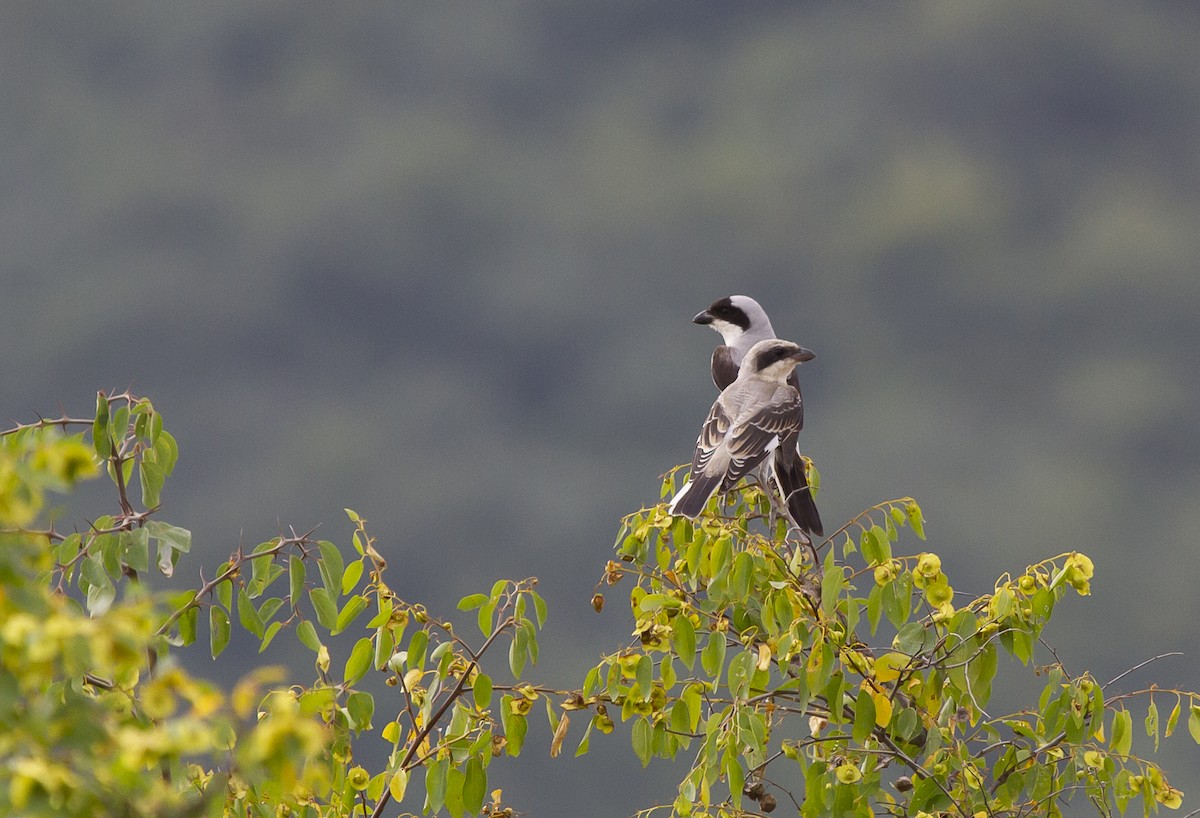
{"x":437,"y":262}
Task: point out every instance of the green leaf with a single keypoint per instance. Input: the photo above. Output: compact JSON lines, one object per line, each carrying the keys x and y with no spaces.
{"x":101,"y":597}
{"x":831,"y":586}
{"x":897,"y":600}
{"x":518,"y":652}
{"x":92,"y":570}
{"x":666,"y":671}
{"x":515,"y":727}
{"x":296,"y":579}
{"x":150,"y":477}
{"x":272,"y":629}
{"x":585,"y":742}
{"x":359,"y":661}
{"x":135,"y":549}
{"x":435,"y":784}
{"x":101,"y":441}
{"x":218,"y":626}
{"x":712,"y":659}
{"x":643,"y":737}
{"x":743,"y":574}
{"x":915,"y":519}
{"x":1122,"y":733}
{"x":539,"y":608}
{"x":187,"y":625}
{"x":645,"y":676}
{"x":981,"y":671}
{"x":870,"y":548}
{"x":384,"y":614}
{"x":166,"y":452}
{"x":361,"y":707}
{"x":350,"y":611}
{"x":481,"y":691}
{"x":484,"y":617}
{"x":1173,"y":719}
{"x":884,"y":543}
{"x":119,"y":424}
{"x":680,"y":717}
{"x":178,"y":538}
{"x":741,"y":667}
{"x":330,"y":566}
{"x":416,"y":649}
{"x":875,"y":607}
{"x":475,"y":785}
{"x":247,"y":615}
{"x":736,"y":777}
{"x":864,"y":715}
{"x":692,"y":698}
{"x":683,"y":639}
{"x":322,"y":603}
{"x":225,"y":591}
{"x":1194,"y":722}
{"x":269,"y":607}
{"x":351,"y":576}
{"x":308,"y":636}
{"x":472,"y":601}
{"x":1152,"y":723}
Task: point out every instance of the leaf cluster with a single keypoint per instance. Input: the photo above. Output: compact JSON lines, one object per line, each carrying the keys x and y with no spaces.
{"x":855,"y":683}
{"x":98,"y":716}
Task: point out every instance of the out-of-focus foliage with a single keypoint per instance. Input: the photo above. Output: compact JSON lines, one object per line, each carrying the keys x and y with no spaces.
{"x":859,"y":685}
{"x":97,"y":716}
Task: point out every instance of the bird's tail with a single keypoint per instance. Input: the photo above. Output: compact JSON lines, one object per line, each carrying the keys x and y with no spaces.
{"x":797,"y":494}
{"x":690,"y":500}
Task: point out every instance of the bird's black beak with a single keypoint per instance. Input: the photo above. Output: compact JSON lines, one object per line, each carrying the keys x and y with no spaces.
{"x":703,"y":318}
{"x":803,"y":355}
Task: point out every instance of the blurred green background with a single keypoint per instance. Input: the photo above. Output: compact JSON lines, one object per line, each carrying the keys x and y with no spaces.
{"x":437,"y":261}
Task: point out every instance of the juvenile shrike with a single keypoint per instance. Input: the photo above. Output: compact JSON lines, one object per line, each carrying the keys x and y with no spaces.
{"x":742,"y":323}
{"x":754,"y":416}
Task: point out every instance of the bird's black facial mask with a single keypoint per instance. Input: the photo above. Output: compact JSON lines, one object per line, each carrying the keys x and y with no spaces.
{"x":724,"y":310}
{"x":779,"y":353}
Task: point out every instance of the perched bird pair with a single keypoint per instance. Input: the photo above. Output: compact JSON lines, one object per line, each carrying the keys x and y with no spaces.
{"x":756,"y":420}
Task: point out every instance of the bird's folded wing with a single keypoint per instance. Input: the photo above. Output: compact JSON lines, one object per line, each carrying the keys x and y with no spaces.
{"x":724,"y":367}
{"x":712,"y":434}
{"x":757,"y":436}
{"x":794,"y":382}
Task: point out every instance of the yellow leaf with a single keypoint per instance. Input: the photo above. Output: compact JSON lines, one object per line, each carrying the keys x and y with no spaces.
{"x":883,"y":709}
{"x":888,"y":666}
{"x":398,"y":785}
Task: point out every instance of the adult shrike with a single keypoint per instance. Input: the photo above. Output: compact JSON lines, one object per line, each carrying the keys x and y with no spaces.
{"x":742,"y":324}
{"x":754,"y":416}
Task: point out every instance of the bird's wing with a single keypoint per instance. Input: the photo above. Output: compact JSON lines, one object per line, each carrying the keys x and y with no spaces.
{"x":762,"y":432}
{"x":724,"y":367}
{"x":712,"y":435}
{"x":794,"y":382}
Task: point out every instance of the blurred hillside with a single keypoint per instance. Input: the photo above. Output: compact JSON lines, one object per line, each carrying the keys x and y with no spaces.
{"x":437,"y":262}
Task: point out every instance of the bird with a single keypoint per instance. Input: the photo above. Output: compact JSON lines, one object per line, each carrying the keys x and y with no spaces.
{"x":751,"y":418}
{"x":742,"y":323}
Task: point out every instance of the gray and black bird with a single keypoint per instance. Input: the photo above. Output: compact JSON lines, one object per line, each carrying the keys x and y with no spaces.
{"x":752,"y":418}
{"x":742,"y":323}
